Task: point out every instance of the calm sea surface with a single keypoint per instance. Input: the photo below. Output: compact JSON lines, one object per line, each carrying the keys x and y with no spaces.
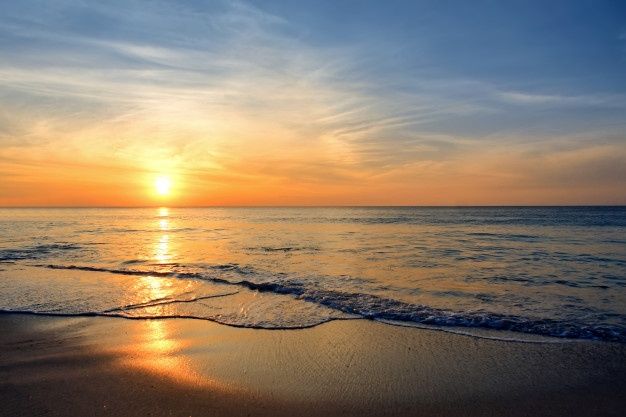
{"x":522,"y":271}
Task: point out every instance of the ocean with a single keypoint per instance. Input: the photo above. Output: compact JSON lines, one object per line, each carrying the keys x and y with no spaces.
{"x":522,"y":273}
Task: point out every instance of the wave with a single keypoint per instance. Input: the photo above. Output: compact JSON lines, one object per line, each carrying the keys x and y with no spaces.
{"x":285,"y":249}
{"x":166,"y":301}
{"x":36,"y":251}
{"x":167,"y":316}
{"x":374,"y":307}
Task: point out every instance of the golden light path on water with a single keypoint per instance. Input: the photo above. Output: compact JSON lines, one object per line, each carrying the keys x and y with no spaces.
{"x":156,"y":347}
{"x":162,"y":253}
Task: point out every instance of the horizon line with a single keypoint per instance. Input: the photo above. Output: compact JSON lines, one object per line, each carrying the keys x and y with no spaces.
{"x":323,"y":206}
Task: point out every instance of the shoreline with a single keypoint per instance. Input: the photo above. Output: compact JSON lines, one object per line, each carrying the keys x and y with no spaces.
{"x":489,"y":327}
{"x":110,"y":366}
{"x":471,"y":332}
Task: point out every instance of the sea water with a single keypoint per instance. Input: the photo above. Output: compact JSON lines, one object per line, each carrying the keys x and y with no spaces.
{"x":549,"y":271}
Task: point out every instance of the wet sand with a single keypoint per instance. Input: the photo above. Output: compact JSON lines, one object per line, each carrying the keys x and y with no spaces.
{"x":96,"y":366}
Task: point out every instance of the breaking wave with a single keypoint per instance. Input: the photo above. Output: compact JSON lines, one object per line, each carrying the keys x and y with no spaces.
{"x":365,"y":306}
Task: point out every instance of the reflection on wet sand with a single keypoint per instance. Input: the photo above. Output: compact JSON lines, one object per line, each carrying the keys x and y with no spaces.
{"x":160,"y":353}
{"x":152,"y":348}
{"x":156,"y":347}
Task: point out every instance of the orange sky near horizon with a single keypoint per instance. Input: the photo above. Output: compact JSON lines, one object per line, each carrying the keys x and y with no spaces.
{"x":489,"y":180}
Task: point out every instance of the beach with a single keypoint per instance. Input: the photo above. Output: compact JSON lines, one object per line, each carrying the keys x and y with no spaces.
{"x":99,"y":366}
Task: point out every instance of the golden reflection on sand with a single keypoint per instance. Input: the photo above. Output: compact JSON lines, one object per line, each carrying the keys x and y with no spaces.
{"x":161,"y":354}
{"x":157,"y":347}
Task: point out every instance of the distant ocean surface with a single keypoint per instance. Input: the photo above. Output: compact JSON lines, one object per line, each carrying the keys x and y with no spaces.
{"x":549,"y":271}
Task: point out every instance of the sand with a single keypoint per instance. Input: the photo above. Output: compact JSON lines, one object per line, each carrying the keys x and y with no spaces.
{"x":97,"y":366}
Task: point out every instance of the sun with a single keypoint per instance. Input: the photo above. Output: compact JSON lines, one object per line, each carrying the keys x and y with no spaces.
{"x":162,"y":185}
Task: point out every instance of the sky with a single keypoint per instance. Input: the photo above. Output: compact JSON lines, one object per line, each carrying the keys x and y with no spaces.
{"x":312,"y":102}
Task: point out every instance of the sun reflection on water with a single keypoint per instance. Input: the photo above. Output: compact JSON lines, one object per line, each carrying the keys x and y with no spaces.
{"x":162,"y":253}
{"x":156,"y":345}
{"x":154,"y":287}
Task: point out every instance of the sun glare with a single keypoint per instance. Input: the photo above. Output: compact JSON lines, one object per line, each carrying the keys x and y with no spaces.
{"x":162,"y":185}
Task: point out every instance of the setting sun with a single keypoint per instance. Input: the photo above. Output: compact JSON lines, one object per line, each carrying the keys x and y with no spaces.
{"x":162,"y":185}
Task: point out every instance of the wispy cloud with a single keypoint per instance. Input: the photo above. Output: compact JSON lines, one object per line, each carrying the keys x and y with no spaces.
{"x":591,"y":100}
{"x":239,"y":66}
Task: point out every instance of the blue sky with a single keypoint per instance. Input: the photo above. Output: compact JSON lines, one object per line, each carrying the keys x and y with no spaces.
{"x":517,"y":101}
